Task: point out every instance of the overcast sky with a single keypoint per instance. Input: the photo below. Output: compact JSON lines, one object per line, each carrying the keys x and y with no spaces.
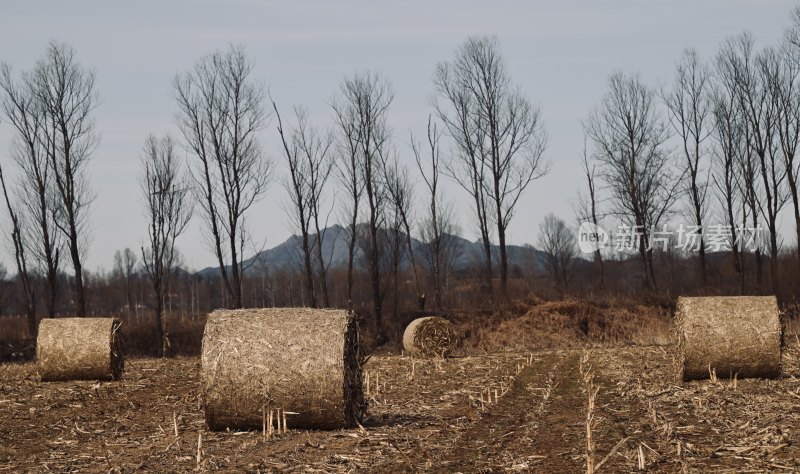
{"x":559,"y":52}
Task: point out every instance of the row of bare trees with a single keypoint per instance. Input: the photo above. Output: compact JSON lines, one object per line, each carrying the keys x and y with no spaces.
{"x":497,"y":142}
{"x":717,"y":144}
{"x":51,"y":110}
{"x":494,"y":146}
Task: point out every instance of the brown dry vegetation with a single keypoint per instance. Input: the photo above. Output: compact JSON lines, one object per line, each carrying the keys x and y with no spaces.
{"x":572,"y":323}
{"x":425,"y":415}
{"x":435,"y":415}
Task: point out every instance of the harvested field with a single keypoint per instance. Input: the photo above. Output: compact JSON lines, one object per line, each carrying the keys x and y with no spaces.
{"x":424,"y":415}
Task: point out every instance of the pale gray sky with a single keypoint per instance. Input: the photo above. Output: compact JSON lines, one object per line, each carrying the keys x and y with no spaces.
{"x":560,"y":52}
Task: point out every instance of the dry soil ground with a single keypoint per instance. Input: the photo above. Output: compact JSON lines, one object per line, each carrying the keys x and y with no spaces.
{"x":424,"y":416}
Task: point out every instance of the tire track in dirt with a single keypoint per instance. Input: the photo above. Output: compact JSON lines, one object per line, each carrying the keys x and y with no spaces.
{"x":537,"y":426}
{"x":624,"y":416}
{"x":560,"y":437}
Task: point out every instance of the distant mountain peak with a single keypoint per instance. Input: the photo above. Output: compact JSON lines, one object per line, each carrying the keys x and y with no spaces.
{"x":288,"y":256}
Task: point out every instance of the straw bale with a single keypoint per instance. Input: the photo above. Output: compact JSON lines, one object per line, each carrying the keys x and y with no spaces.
{"x":730,"y":335}
{"x":430,"y":336}
{"x":79,"y":349}
{"x":301,"y":360}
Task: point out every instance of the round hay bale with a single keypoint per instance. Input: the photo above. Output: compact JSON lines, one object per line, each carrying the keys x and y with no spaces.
{"x":431,"y":336}
{"x":301,"y":360}
{"x":730,"y":335}
{"x":79,"y":349}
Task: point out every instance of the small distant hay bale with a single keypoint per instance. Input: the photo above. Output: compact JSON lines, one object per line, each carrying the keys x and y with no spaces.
{"x":730,"y":335}
{"x":306,"y":361}
{"x":431,"y":336}
{"x":79,"y":349}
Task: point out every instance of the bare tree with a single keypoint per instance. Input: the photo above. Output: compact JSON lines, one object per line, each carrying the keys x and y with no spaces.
{"x":20,"y":258}
{"x":348,"y":165}
{"x":168,"y":210}
{"x":559,"y":249}
{"x":66,"y":92}
{"x":36,"y":190}
{"x":400,"y":193}
{"x":220,"y":113}
{"x":397,"y":206}
{"x":317,"y":151}
{"x":315,"y":148}
{"x":734,"y":53}
{"x":3,"y":283}
{"x":308,"y":159}
{"x":436,"y":223}
{"x":586,"y":208}
{"x":629,"y":135}
{"x":750,"y":74}
{"x":361,"y":110}
{"x":298,"y":195}
{"x":469,"y":172}
{"x":689,"y":105}
{"x":751,"y":189}
{"x":731,"y":147}
{"x":498,"y":132}
{"x":785,"y":92}
{"x":441,"y":250}
{"x":764,"y":123}
{"x":125,"y":263}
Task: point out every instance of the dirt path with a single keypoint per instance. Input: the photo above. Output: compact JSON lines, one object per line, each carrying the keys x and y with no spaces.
{"x":535,"y":426}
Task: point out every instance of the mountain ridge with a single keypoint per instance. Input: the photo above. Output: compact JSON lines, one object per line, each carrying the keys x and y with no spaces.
{"x":288,"y":255}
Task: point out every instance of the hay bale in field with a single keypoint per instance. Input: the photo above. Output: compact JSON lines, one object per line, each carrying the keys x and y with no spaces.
{"x":431,"y":336}
{"x":730,"y":335}
{"x":301,"y":360}
{"x":79,"y":349}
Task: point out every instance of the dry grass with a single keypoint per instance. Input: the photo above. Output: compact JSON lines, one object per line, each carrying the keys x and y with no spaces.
{"x":736,"y":425}
{"x":572,"y":323}
{"x":591,"y":389}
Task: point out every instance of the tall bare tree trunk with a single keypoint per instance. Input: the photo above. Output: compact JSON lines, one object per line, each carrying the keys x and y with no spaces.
{"x":362,"y":111}
{"x":220,"y":116}
{"x":495,"y":128}
{"x":21,"y":260}
{"x":65,"y":90}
